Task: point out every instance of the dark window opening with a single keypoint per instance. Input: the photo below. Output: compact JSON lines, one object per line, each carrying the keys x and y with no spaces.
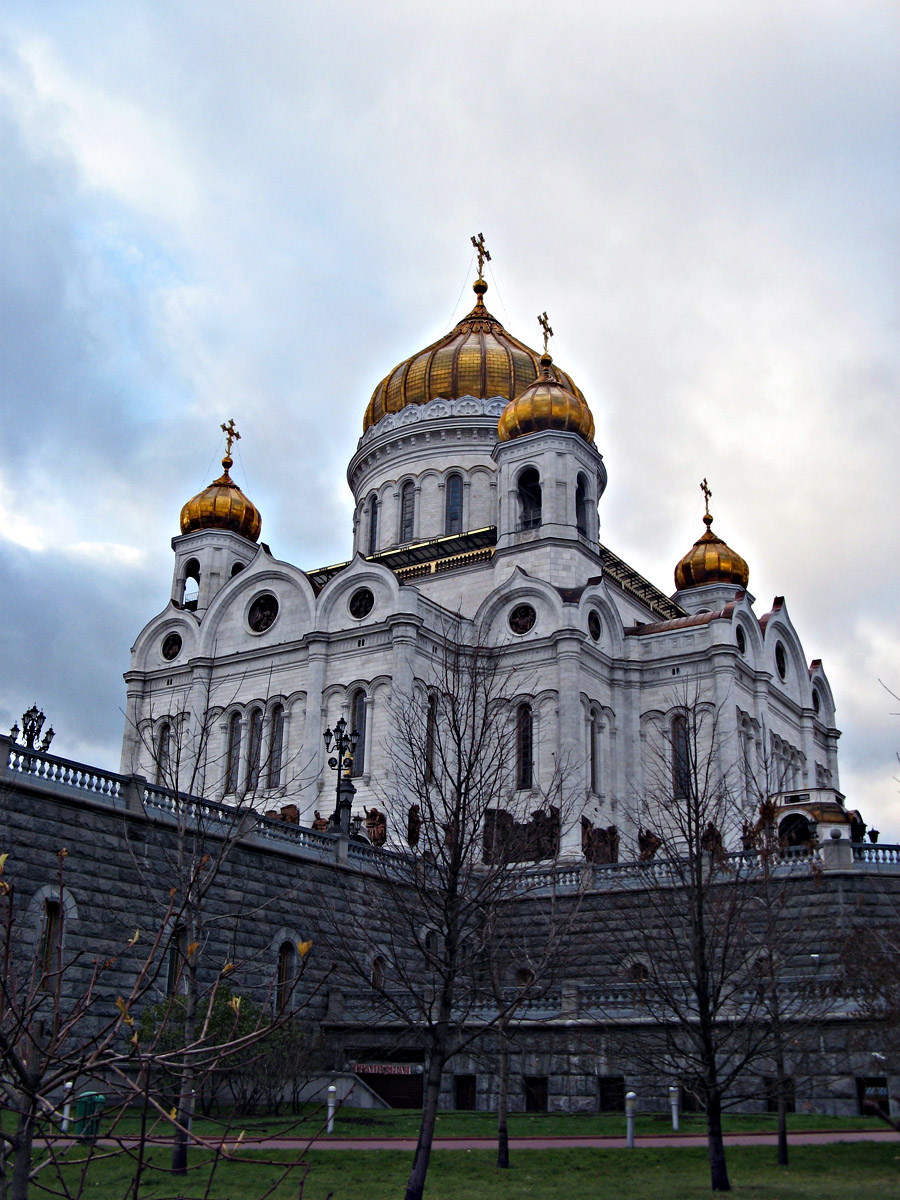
{"x":254,"y":749}
{"x":373,"y":526}
{"x":285,"y":978}
{"x":872,"y":1094}
{"x":163,"y":754}
{"x":771,"y":1086}
{"x":407,"y":512}
{"x":276,"y":746}
{"x":612,"y":1093}
{"x":465,"y":1088}
{"x":681,"y":776}
{"x":430,"y":737}
{"x":529,"y":499}
{"x":535,"y":1093}
{"x":358,"y":725}
{"x":524,"y":747}
{"x":176,"y":961}
{"x":595,"y":753}
{"x":453,"y":517}
{"x":236,"y":569}
{"x":51,"y":930}
{"x":378,"y":974}
{"x":581,"y":506}
{"x":233,"y":754}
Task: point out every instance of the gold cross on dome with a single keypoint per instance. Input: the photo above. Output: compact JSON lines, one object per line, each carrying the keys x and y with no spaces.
{"x":707,"y":493}
{"x":231,"y":434}
{"x":545,"y":325}
{"x":484,"y":255}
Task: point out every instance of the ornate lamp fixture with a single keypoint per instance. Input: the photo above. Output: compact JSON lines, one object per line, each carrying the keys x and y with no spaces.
{"x":32,"y":724}
{"x":341,"y":761}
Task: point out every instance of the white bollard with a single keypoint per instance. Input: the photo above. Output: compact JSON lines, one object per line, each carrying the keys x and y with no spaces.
{"x":673,"y":1100}
{"x":67,"y":1107}
{"x":630,"y":1098}
{"x":332,"y":1095}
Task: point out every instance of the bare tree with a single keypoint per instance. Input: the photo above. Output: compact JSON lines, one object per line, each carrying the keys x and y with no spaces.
{"x":712,"y":941}
{"x":465,"y":795}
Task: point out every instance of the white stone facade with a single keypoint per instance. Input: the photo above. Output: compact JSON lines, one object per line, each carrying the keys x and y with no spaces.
{"x":607,"y":661}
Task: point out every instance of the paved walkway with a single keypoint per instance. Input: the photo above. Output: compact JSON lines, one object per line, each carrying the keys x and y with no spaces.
{"x":811,"y":1138}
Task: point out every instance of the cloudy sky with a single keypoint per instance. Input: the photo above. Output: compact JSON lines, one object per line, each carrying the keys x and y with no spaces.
{"x":255,"y":209}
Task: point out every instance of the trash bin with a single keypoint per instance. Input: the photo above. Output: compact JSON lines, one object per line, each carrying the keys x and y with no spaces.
{"x":88,"y":1112}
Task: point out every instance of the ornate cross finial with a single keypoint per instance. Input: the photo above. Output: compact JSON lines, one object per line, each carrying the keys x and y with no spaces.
{"x":545,"y":325}
{"x":707,"y":494}
{"x":484,"y":255}
{"x":231,"y":434}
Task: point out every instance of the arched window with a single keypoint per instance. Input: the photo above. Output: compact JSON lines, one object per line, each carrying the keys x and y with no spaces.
{"x":254,"y":749}
{"x":358,"y":724}
{"x":529,"y":499}
{"x":163,"y":754}
{"x":191,"y":592}
{"x":407,"y":511}
{"x":430,"y":737}
{"x":453,"y":511}
{"x":284,"y":980}
{"x":51,"y":940}
{"x":524,"y":747}
{"x":681,"y":770}
{"x":595,"y":753}
{"x":581,"y":506}
{"x":233,"y":754}
{"x":373,"y":525}
{"x":378,"y":974}
{"x":236,"y":569}
{"x":276,"y":746}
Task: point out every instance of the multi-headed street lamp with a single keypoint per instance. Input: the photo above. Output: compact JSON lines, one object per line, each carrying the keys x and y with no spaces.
{"x":32,"y":724}
{"x":343,"y":744}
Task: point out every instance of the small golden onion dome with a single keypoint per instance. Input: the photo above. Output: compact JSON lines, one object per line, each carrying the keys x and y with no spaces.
{"x":546,"y":404}
{"x":222,"y":506}
{"x":710,"y":560}
{"x":476,"y":358}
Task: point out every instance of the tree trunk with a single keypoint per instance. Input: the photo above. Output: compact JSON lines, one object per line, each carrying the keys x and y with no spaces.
{"x":21,"y":1171}
{"x":717,"y":1168}
{"x":185,"y":1108}
{"x":415,"y":1185}
{"x":503,"y":1100}
{"x":782,"y":1127}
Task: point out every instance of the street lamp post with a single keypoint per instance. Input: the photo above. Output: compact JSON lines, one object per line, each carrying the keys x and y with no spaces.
{"x":343,"y":744}
{"x":32,"y":724}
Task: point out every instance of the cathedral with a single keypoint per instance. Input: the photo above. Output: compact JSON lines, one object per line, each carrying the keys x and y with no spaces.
{"x":477,"y":486}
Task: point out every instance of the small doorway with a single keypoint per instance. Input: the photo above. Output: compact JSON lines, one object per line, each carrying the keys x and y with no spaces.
{"x":535,"y":1093}
{"x":465,"y":1087}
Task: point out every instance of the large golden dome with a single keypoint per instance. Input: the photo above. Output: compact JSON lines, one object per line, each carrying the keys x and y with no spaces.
{"x":546,"y":404}
{"x":222,"y":506}
{"x":710,"y":560}
{"x":476,"y":358}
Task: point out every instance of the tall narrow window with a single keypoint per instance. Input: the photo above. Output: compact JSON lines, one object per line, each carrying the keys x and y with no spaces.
{"x":191,"y":592}
{"x":175,"y":964}
{"x":163,"y":754}
{"x":276,"y":746}
{"x":524,"y":746}
{"x":284,"y":980}
{"x":453,"y":518}
{"x":595,"y":753}
{"x":430,"y":737}
{"x":51,"y":930}
{"x":681,"y":770}
{"x":233,"y":754}
{"x":358,"y":724}
{"x":581,"y":506}
{"x":373,"y":525}
{"x":530,"y":499}
{"x":254,"y":749}
{"x":407,"y":511}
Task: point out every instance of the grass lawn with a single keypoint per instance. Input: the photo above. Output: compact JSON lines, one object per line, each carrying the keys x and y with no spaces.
{"x":358,"y":1122}
{"x":835,"y":1172}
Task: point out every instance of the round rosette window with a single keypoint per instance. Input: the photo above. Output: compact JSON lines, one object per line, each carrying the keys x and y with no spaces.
{"x":171,"y":646}
{"x":595,"y":625}
{"x":263,"y":612}
{"x":522,"y":618}
{"x":361,"y":603}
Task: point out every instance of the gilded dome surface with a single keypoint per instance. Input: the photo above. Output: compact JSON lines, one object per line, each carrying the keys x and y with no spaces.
{"x":476,"y":358}
{"x":546,"y":404}
{"x":222,"y":506}
{"x":710,"y":560}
